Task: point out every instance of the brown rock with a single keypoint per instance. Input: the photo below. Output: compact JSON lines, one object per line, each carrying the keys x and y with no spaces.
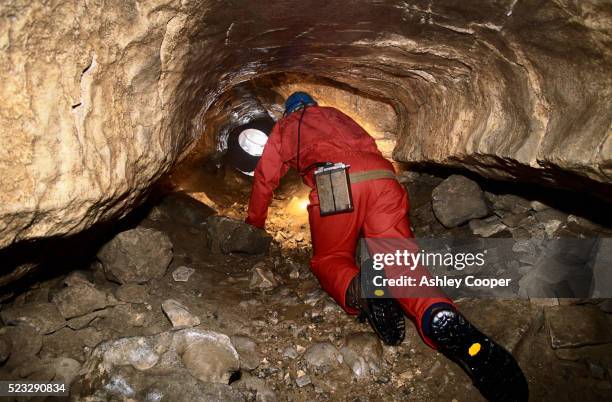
{"x":83,"y":298}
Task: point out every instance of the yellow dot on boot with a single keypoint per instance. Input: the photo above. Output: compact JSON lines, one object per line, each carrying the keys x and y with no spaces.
{"x":379,"y":292}
{"x":474,"y":349}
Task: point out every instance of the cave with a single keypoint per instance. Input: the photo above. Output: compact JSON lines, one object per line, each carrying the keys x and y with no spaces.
{"x":128,"y":272}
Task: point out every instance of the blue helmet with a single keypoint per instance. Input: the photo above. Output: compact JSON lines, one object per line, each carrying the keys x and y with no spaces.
{"x":297,"y":99}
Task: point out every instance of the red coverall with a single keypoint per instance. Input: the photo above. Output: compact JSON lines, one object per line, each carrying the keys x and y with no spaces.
{"x":380,"y":206}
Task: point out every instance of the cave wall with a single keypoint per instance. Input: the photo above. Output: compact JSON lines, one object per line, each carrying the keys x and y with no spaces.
{"x":101,"y":98}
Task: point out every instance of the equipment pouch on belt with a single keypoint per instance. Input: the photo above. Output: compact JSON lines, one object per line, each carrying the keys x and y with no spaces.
{"x":334,"y":188}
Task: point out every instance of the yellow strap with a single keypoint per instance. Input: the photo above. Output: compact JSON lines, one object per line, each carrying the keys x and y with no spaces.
{"x":358,"y":177}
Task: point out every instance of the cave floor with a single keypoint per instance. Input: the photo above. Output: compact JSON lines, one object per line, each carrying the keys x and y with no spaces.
{"x":287,"y":318}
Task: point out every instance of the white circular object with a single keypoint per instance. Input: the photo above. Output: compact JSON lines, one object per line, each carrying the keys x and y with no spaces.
{"x":252,"y":141}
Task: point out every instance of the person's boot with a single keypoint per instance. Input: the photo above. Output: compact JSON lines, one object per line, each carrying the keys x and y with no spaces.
{"x":384,"y":314}
{"x":493,"y":370}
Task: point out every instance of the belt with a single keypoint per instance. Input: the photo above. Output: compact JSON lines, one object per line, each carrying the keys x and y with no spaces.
{"x":358,"y":177}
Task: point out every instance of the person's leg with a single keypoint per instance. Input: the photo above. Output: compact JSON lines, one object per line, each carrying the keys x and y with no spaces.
{"x":334,"y":241}
{"x":387,"y":226}
{"x":493,"y":369}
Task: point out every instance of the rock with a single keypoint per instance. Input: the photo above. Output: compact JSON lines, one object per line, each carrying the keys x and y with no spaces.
{"x":183,"y":365}
{"x":322,"y":357}
{"x":227,"y":235}
{"x":573,"y":326}
{"x":182,"y":273}
{"x":25,"y":342}
{"x":84,"y":320}
{"x":136,"y":256}
{"x":509,"y":202}
{"x":487,"y":227}
{"x":601,"y":285}
{"x":211,"y":359}
{"x":80,"y":299}
{"x":66,"y":369}
{"x":263,"y":393}
{"x":363,"y":353}
{"x":5,"y":348}
{"x":457,"y":200}
{"x":247,"y":350}
{"x":72,"y":343}
{"x":44,"y":317}
{"x":132,"y":293}
{"x":538,"y":206}
{"x":290,"y":352}
{"x":262,"y":278}
{"x":302,"y":379}
{"x":132,"y":315}
{"x":178,"y":314}
{"x":182,"y":208}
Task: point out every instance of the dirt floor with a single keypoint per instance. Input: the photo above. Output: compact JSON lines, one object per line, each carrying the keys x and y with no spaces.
{"x":285,"y":319}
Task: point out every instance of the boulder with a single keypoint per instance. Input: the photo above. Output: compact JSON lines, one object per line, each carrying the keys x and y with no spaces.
{"x":178,"y":314}
{"x":363,"y":353}
{"x":44,"y":317}
{"x":80,"y":299}
{"x":136,"y":256}
{"x":322,"y":357}
{"x":457,"y":200}
{"x":226,"y":235}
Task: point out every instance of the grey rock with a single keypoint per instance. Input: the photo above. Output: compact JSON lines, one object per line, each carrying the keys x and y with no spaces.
{"x":65,"y":369}
{"x":487,"y":227}
{"x":302,"y":380}
{"x":363,"y":353}
{"x":132,"y":293}
{"x":577,"y":325}
{"x":263,"y":393}
{"x":5,"y":348}
{"x":184,"y":365}
{"x":44,"y":317}
{"x":322,"y":357}
{"x":136,"y":256}
{"x":601,"y":285}
{"x":457,"y":200}
{"x":182,"y":273}
{"x":227,"y":235}
{"x":290,"y":352}
{"x":25,"y":342}
{"x":509,"y":202}
{"x":84,"y":320}
{"x":181,"y":207}
{"x":262,"y":278}
{"x":80,"y":299}
{"x":247,"y":350}
{"x":178,"y":314}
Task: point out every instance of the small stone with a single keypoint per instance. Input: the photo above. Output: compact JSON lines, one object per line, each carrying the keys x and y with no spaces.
{"x":509,"y":202}
{"x":302,"y":379}
{"x":179,"y":315}
{"x":5,"y":348}
{"x":322,"y":357}
{"x":45,"y":317}
{"x":132,"y":293}
{"x":247,"y":350}
{"x":80,"y":299}
{"x":363,"y":353}
{"x":457,"y":200}
{"x":487,"y":227}
{"x":78,"y":277}
{"x":290,"y":352}
{"x":262,"y":278}
{"x":182,"y":273}
{"x":136,"y":256}
{"x":597,"y":371}
{"x":538,"y":206}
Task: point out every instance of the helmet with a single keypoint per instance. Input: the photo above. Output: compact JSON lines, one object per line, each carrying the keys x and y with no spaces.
{"x":297,"y":99}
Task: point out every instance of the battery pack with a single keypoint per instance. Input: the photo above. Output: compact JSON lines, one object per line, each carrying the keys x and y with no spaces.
{"x":334,"y":188}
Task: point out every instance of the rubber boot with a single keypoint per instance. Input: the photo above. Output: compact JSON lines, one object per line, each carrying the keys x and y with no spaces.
{"x":384,"y":314}
{"x":493,"y":370}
